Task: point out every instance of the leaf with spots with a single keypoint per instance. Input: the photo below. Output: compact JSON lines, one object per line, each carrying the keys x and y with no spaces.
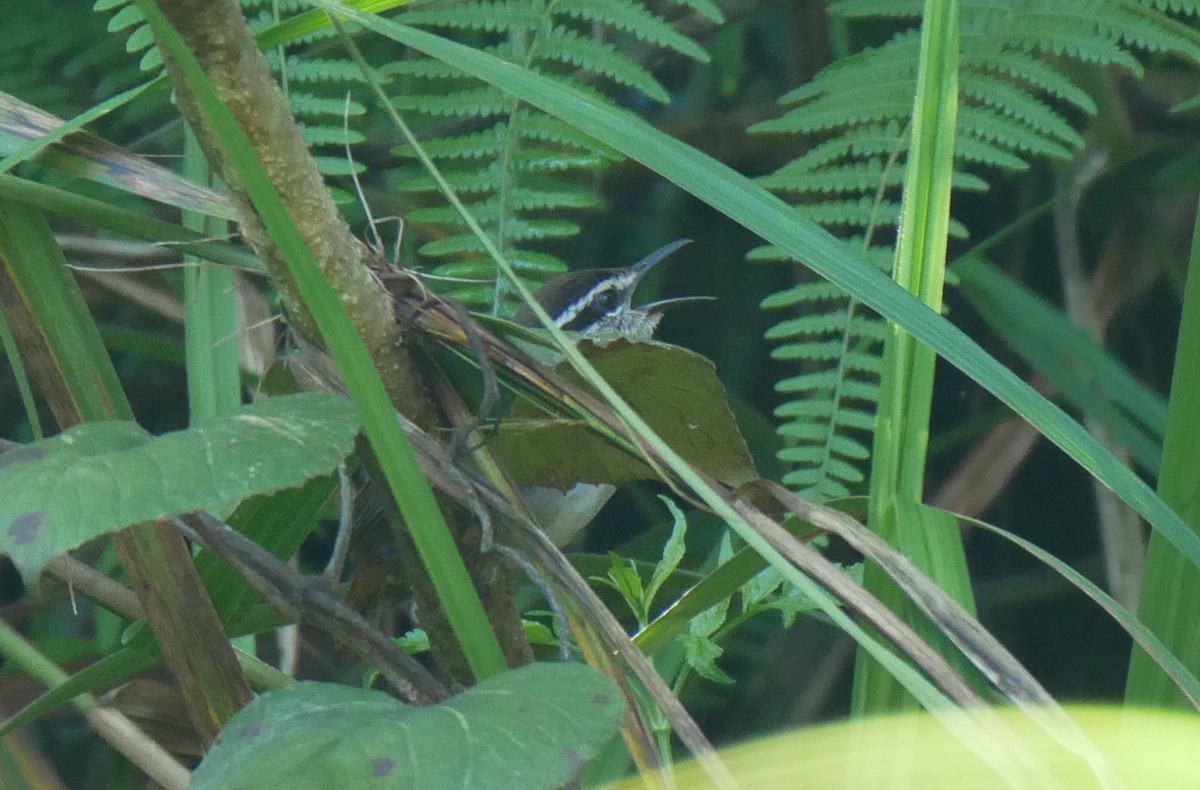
{"x":529,"y":728}
{"x":100,"y":477}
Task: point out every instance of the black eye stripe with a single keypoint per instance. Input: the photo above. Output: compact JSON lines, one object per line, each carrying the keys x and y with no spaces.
{"x":602,"y":299}
{"x":601,"y":302}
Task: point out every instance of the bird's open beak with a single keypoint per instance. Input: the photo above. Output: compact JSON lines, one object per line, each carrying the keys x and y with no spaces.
{"x":643,"y":266}
{"x":663,"y":304}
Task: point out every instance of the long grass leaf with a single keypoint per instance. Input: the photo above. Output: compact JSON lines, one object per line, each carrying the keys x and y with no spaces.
{"x":746,"y":203}
{"x":1171,"y":583}
{"x":897,"y":484}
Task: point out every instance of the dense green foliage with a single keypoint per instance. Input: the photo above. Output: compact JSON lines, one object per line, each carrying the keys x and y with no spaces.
{"x":1072,"y":184}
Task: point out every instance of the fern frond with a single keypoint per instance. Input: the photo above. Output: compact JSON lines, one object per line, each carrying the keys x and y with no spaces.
{"x":488,"y":211}
{"x":520,"y":167}
{"x":1020,"y":67}
{"x":544,"y":160}
{"x":329,"y":136}
{"x":1051,"y":37}
{"x":854,"y":178}
{"x":556,"y":196}
{"x":1016,"y":103}
{"x":485,"y":102}
{"x":855,"y":113}
{"x":468,"y":182}
{"x":516,"y":230}
{"x":548,"y":129}
{"x":321,"y":110}
{"x":985,"y":123}
{"x":586,"y":53}
{"x":861,"y":213}
{"x":815,"y":291}
{"x":336,"y":166}
{"x":126,"y":17}
{"x":1188,"y":7}
{"x":633,"y":18}
{"x":824,"y":323}
{"x":490,"y":17}
{"x":301,"y":70}
{"x":478,"y":145}
{"x":857,"y":9}
{"x":427,"y":69}
{"x":308,"y":105}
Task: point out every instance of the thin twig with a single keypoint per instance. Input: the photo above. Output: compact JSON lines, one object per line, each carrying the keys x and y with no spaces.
{"x":313,"y":601}
{"x":110,"y":594}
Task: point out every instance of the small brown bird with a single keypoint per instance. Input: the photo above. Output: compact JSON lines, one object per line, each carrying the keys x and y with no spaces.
{"x":596,"y":302}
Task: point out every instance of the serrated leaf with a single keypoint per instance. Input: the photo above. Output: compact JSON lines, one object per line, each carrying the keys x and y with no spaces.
{"x":623,"y":577}
{"x":673,"y":550}
{"x":763,"y":584}
{"x":790,"y":602}
{"x":701,"y":654}
{"x":529,"y":728}
{"x":97,"y":478}
{"x":675,"y":390}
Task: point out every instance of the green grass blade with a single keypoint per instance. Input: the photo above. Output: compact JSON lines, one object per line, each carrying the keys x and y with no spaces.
{"x":1089,"y":377}
{"x":38,"y":272}
{"x":128,"y":223}
{"x":32,"y":148}
{"x":897,"y":483}
{"x":1182,"y":679}
{"x":210,"y":326}
{"x":13,"y":353}
{"x":1171,"y":583}
{"x":769,"y":217}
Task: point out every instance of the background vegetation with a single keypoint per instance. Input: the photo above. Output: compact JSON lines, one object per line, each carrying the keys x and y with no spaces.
{"x":1073,"y":198}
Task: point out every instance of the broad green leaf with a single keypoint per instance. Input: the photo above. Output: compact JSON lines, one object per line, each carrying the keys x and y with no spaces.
{"x":655,"y":378}
{"x":97,"y":478}
{"x":525,"y":729}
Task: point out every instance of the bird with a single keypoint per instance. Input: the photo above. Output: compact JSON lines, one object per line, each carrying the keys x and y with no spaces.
{"x":596,"y":304}
{"x":599,"y":302}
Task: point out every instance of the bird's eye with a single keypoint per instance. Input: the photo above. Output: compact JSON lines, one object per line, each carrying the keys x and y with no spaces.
{"x":596,"y":306}
{"x":606,"y":301}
